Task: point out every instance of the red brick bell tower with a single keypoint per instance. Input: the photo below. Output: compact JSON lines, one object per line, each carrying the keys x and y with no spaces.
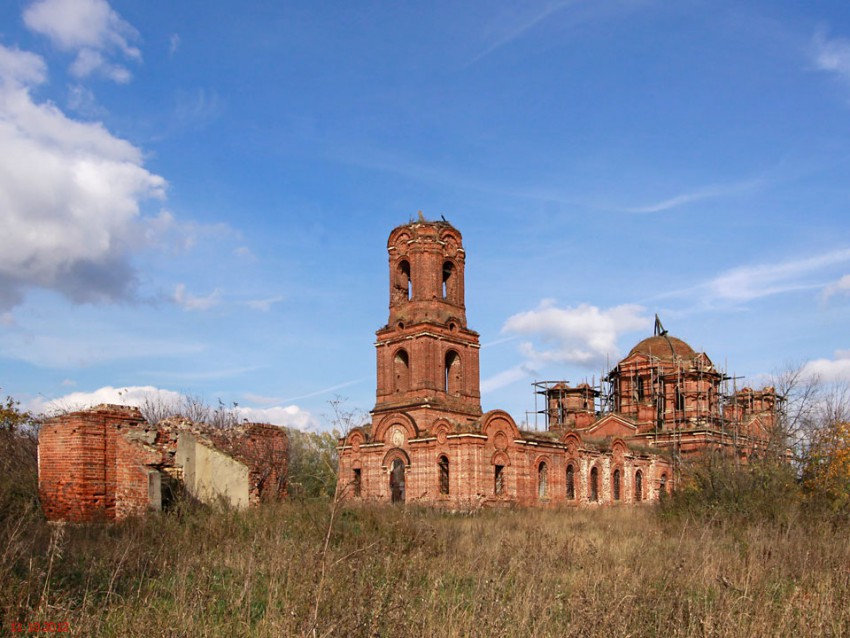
{"x":427,"y":357}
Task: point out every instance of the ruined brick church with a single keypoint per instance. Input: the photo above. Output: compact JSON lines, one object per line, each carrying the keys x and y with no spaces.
{"x":621,"y":442}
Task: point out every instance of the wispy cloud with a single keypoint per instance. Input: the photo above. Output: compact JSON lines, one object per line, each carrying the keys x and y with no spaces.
{"x":264,"y":305}
{"x":842,"y":286}
{"x":506,"y":378}
{"x":746,"y":283}
{"x":700,"y":194}
{"x":752,"y":282}
{"x":192,"y":302}
{"x":327,"y":390}
{"x":514,"y":23}
{"x":832,"y":55}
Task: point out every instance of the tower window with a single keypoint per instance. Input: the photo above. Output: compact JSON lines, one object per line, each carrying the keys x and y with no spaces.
{"x":444,"y":475}
{"x":680,"y":399}
{"x":449,"y":281}
{"x":404,"y":284}
{"x":452,"y":376}
{"x":401,"y":371}
{"x":640,"y":390}
{"x":571,"y":482}
{"x":356,"y":483}
{"x":499,"y":484}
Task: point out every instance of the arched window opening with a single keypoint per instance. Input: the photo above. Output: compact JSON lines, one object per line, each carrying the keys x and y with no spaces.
{"x":397,"y":481}
{"x":356,"y":482}
{"x":452,"y":377}
{"x":444,"y":475}
{"x":542,"y":480}
{"x":401,"y":371}
{"x":640,"y":389}
{"x":449,"y":281}
{"x":680,"y":399}
{"x":499,"y":484}
{"x":638,"y":486}
{"x":616,"y":487}
{"x":404,"y":284}
{"x":594,"y":485}
{"x":560,"y":410}
{"x":571,"y":482}
{"x":662,"y":486}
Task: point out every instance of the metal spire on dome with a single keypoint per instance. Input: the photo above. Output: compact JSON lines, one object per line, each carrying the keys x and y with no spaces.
{"x":659,"y":329}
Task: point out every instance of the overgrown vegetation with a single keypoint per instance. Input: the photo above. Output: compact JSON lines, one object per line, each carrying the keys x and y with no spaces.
{"x":743,"y":550}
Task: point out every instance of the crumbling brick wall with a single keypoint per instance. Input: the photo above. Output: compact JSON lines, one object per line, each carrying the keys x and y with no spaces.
{"x":108,"y":463}
{"x":77,"y":462}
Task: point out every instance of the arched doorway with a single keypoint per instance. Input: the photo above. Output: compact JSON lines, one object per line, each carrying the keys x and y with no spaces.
{"x":397,"y":481}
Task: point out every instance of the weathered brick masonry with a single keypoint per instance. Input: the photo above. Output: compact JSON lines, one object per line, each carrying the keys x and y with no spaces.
{"x":108,"y":463}
{"x":430,"y":443}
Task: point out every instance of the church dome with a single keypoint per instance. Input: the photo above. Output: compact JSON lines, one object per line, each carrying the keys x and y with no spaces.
{"x":664,"y":347}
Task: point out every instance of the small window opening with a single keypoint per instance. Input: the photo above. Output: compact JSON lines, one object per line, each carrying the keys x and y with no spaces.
{"x":405,"y":283}
{"x":448,"y":280}
{"x":444,"y":475}
{"x":356,"y":482}
{"x":640,"y":389}
{"x":401,"y":371}
{"x":638,"y":485}
{"x":680,"y":399}
{"x":452,"y":376}
{"x":616,"y":487}
{"x":499,"y":485}
{"x":542,"y":480}
{"x":571,"y":483}
{"x":594,"y":485}
{"x":662,"y":486}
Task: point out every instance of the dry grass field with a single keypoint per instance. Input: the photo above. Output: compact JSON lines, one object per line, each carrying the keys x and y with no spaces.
{"x":403,"y":571}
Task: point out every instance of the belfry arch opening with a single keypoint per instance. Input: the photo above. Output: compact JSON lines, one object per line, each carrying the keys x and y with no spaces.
{"x":449,"y":281}
{"x":453,"y":375}
{"x":401,"y":371}
{"x":403,"y":283}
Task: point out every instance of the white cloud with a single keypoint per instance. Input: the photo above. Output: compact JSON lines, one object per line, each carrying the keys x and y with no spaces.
{"x":830,"y":370}
{"x":89,"y":28}
{"x":832,"y":55}
{"x":751,"y":282}
{"x":192,"y":302}
{"x":709,"y":192}
{"x":264,"y":305}
{"x":842,"y":286}
{"x":132,"y":395}
{"x":505,"y":378}
{"x":290,"y":415}
{"x":584,"y":335}
{"x":70,"y":196}
{"x":85,"y":345}
{"x":173,"y":44}
{"x":513,"y":23}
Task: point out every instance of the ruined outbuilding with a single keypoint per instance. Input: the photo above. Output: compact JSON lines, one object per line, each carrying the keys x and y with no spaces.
{"x":108,"y":463}
{"x":620,"y":442}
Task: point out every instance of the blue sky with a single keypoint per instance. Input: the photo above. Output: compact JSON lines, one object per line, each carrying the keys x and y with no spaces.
{"x":195,"y":197}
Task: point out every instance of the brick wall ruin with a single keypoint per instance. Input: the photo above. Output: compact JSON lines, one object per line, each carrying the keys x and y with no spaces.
{"x":107,"y":463}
